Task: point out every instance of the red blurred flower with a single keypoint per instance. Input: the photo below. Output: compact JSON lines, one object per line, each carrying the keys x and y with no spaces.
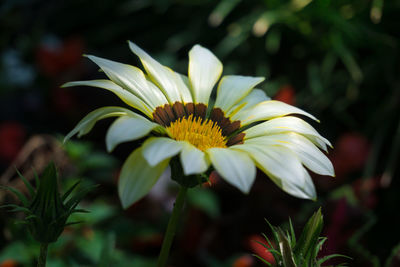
{"x":343,"y":220}
{"x":365,"y":191}
{"x":54,"y":58}
{"x":350,"y":153}
{"x":286,"y":94}
{"x":63,"y":99}
{"x":12,"y":136}
{"x":146,"y":242}
{"x":260,"y":250}
{"x":243,"y":261}
{"x":9,"y":263}
{"x":212,"y":179}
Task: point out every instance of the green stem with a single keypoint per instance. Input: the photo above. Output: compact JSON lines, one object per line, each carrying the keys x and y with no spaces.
{"x":43,"y":255}
{"x":171,"y":228}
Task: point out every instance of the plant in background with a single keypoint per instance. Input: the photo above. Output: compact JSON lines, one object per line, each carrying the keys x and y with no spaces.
{"x":290,"y":252}
{"x":242,"y":130}
{"x":47,"y":212}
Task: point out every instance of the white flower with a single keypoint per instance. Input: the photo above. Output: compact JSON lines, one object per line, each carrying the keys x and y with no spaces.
{"x":242,"y":131}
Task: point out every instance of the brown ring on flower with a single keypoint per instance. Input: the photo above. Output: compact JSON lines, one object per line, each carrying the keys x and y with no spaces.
{"x":183,"y":114}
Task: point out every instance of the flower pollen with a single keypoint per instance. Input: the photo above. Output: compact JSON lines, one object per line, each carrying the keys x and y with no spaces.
{"x":203,"y":134}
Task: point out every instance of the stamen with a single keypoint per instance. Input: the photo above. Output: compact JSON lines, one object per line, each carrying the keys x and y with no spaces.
{"x":188,"y":122}
{"x":202,"y":134}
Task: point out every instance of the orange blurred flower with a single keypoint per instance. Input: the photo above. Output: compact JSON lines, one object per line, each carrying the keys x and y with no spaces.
{"x":243,"y":261}
{"x":9,"y":263}
{"x":286,"y":94}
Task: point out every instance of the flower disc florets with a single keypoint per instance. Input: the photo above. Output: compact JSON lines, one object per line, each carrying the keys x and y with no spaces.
{"x":202,"y":134}
{"x":189,"y":123}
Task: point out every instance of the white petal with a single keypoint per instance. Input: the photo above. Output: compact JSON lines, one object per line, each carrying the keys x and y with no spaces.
{"x":128,"y":128}
{"x":253,"y":98}
{"x":235,"y":167}
{"x":278,"y":162}
{"x":287,"y":124}
{"x":131,"y":79}
{"x":168,"y":81}
{"x":309,"y":188}
{"x":193,"y":160}
{"x":305,"y":150}
{"x":233,"y":88}
{"x":183,"y":84}
{"x":157,"y":149}
{"x":268,"y":110}
{"x":282,"y":168}
{"x":204,"y":71}
{"x":306,"y":191}
{"x":125,"y":95}
{"x":88,"y":122}
{"x":137,"y":177}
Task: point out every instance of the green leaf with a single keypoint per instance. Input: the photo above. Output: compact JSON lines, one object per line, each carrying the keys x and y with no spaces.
{"x":273,"y":231}
{"x":23,"y":209}
{"x":267,"y":239}
{"x":80,"y":210}
{"x":73,"y":223}
{"x":286,"y":250}
{"x":272,"y":250}
{"x":263,"y":260}
{"x":20,"y":196}
{"x":74,"y":200}
{"x":69,"y":191}
{"x":9,"y":206}
{"x":309,"y":237}
{"x":27,"y":184}
{"x":292,"y":234}
{"x":326,"y":258}
{"x":31,"y":217}
{"x":275,"y":253}
{"x":37,"y":180}
{"x":318,"y":247}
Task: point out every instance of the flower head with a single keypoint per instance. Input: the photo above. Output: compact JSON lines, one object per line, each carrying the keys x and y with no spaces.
{"x":243,"y":130}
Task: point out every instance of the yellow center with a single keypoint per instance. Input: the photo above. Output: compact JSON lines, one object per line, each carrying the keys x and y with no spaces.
{"x":202,"y":135}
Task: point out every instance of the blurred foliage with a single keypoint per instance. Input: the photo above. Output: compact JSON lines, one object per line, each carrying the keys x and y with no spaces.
{"x":339,"y":60}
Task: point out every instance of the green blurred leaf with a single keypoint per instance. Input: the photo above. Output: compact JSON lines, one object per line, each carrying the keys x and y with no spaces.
{"x":99,"y":212}
{"x":223,"y":8}
{"x":19,"y":252}
{"x":204,"y":200}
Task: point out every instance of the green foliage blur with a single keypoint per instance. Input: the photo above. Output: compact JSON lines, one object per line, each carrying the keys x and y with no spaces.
{"x":338,"y":60}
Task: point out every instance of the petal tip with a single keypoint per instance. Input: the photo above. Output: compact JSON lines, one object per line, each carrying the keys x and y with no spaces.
{"x":109,"y":148}
{"x":68,"y":84}
{"x":65,"y":140}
